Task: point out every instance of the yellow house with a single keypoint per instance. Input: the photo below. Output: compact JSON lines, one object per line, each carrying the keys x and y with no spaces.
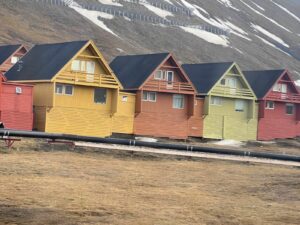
{"x":75,"y":91}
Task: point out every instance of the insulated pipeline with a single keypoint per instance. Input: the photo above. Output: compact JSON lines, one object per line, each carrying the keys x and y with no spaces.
{"x":130,"y":142}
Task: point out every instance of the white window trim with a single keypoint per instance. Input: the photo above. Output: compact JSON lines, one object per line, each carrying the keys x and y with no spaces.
{"x":182,"y":101}
{"x":267,"y":106}
{"x":161,"y":75}
{"x":214,"y":104}
{"x":238,"y":110}
{"x":148,"y":96}
{"x":293,"y":109}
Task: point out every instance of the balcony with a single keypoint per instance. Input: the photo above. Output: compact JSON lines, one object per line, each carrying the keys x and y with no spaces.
{"x":278,"y":96}
{"x":170,"y":87}
{"x":80,"y":78}
{"x":232,"y":92}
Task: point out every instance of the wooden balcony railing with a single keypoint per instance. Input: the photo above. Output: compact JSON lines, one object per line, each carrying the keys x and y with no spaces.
{"x":232,"y":92}
{"x":171,"y":87}
{"x":81,"y":78}
{"x":278,"y":96}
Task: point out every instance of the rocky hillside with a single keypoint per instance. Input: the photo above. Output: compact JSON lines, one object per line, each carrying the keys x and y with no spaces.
{"x":258,"y":34}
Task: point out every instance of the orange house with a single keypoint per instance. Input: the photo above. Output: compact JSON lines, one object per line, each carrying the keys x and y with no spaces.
{"x":166,"y":105}
{"x":10,"y":55}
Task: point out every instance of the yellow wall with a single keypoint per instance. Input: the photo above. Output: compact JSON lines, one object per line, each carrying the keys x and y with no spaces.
{"x":43,"y":94}
{"x":124,"y":118}
{"x":223,"y":122}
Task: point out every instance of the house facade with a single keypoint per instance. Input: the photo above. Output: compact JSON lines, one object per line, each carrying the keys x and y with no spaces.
{"x":279,"y":104}
{"x":16,"y":101}
{"x":165,"y":98}
{"x":75,"y":91}
{"x":230,"y":110}
{"x":10,"y":55}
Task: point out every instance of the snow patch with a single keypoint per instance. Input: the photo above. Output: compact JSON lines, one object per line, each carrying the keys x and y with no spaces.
{"x":120,"y":50}
{"x":271,"y":20}
{"x":232,"y":143}
{"x":203,"y":10}
{"x":168,"y":1}
{"x":258,"y":6}
{"x":269,"y":34}
{"x":286,"y":10}
{"x":110,"y":2}
{"x":207,"y":36}
{"x":271,"y":44}
{"x":228,"y":4}
{"x":93,"y":16}
{"x":105,"y":15}
{"x":160,"y":12}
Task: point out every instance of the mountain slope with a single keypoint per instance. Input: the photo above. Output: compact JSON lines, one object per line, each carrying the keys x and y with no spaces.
{"x":258,"y":34}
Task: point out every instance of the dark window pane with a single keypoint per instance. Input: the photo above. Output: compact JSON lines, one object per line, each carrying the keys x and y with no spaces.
{"x":100,"y":95}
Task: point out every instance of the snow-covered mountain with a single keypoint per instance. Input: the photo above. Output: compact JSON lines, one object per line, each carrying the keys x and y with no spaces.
{"x":258,"y":34}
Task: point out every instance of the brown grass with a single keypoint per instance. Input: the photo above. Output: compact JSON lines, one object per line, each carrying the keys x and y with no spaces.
{"x":84,"y":187}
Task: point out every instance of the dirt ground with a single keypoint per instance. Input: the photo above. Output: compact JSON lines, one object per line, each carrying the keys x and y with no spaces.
{"x":114,"y":187}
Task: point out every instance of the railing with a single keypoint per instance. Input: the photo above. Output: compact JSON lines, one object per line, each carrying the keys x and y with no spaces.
{"x":232,"y":92}
{"x":81,"y":78}
{"x":278,"y":96}
{"x":165,"y":86}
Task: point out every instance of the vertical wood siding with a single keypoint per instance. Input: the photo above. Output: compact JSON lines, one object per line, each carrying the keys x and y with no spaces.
{"x":195,"y":122}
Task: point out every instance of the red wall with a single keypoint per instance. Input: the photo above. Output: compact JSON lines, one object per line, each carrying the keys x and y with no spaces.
{"x":16,"y":109}
{"x":159,"y":119}
{"x":277,"y":124}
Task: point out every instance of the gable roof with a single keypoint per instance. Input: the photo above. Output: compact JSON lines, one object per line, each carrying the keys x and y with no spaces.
{"x":44,"y":61}
{"x":7,"y":51}
{"x":133,"y":70}
{"x":205,"y":75}
{"x":263,"y":80}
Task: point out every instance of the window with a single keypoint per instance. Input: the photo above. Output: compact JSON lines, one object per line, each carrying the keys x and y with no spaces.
{"x":100,"y":95}
{"x":124,"y":98}
{"x":59,"y":89}
{"x":223,"y":81}
{"x":149,"y":96}
{"x":63,"y":89}
{"x":216,"y":100}
{"x":83,"y":66}
{"x":239,"y":105}
{"x":170,"y":77}
{"x":158,"y":75}
{"x":90,"y":67}
{"x":280,"y":88}
{"x":289,"y":109}
{"x":14,"y":59}
{"x":178,"y":101}
{"x":68,"y":89}
{"x":18,"y":90}
{"x":270,"y":105}
{"x":231,"y":82}
{"x":75,"y":65}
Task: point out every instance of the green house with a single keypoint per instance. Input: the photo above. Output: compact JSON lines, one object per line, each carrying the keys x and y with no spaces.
{"x":230,"y":110}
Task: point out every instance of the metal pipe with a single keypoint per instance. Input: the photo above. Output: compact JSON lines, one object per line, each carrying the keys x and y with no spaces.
{"x":130,"y":142}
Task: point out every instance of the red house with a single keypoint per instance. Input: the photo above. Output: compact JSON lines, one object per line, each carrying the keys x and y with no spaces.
{"x":279,"y":103}
{"x":165,"y":97}
{"x":16,"y":102}
{"x":9,"y":55}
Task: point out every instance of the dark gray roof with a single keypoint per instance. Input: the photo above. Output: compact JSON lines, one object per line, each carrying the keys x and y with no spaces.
{"x":6,"y":51}
{"x":133,"y":70}
{"x":262,"y":81}
{"x":204,"y":76}
{"x":44,"y":61}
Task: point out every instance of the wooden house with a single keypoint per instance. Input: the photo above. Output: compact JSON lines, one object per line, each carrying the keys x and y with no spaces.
{"x":165,"y":97}
{"x":75,"y":91}
{"x":15,"y":105}
{"x":10,"y":55}
{"x":230,"y":111}
{"x":279,"y":103}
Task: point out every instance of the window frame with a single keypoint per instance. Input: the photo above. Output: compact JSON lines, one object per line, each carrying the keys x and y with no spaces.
{"x":293,"y":109}
{"x":212,"y":102}
{"x":79,"y":65}
{"x":161,"y":75}
{"x":62,"y":89}
{"x":181,"y":98}
{"x":268,"y":106}
{"x":14,"y":57}
{"x":65,"y":89}
{"x":100,"y":103}
{"x":147,"y":95}
{"x":236,"y":103}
